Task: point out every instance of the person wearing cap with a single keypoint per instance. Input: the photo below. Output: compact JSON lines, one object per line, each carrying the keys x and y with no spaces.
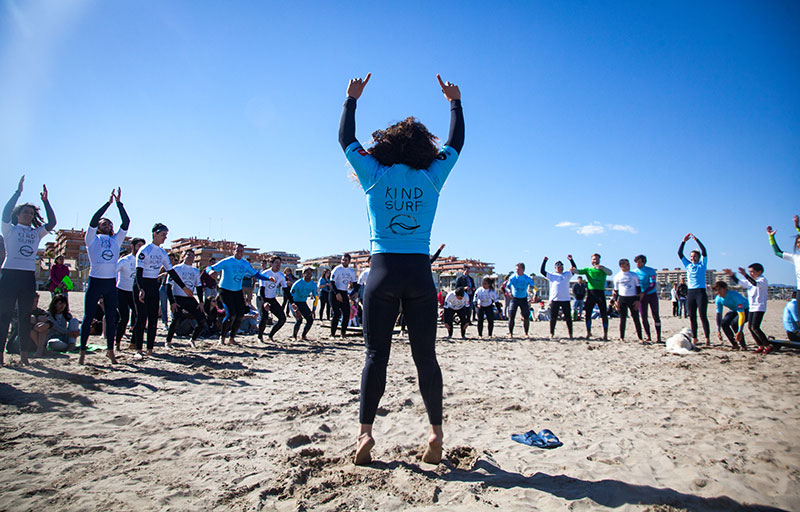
{"x":149,"y":261}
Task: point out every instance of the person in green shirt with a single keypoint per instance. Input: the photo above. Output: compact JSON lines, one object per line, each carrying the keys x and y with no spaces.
{"x":596,"y":276}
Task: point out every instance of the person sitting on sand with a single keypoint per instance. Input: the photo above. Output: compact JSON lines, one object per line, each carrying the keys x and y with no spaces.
{"x":402,"y":176}
{"x":62,"y":329}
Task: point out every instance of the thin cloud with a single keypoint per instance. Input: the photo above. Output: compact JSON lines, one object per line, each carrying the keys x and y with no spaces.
{"x":566,"y":224}
{"x":591,"y":229}
{"x":622,"y":227}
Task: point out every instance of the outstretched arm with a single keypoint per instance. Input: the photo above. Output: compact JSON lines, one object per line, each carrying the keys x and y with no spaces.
{"x":9,"y":208}
{"x":702,"y":247}
{"x":95,"y":221}
{"x":683,"y":244}
{"x":455,"y":139}
{"x":542,"y":270}
{"x":773,"y":243}
{"x":347,"y":124}
{"x":126,"y":221}
{"x":48,"y":210}
{"x":437,"y":253}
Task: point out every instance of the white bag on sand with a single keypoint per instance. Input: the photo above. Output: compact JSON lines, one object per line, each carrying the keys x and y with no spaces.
{"x":681,"y":343}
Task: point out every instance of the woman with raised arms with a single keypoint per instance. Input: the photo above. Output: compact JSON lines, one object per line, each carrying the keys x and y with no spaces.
{"x":402,"y":175}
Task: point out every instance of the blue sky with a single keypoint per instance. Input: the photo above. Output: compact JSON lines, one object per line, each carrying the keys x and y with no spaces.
{"x":629,"y":124}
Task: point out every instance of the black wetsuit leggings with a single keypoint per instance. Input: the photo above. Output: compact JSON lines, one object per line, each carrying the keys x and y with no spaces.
{"x":125,"y":306}
{"x":147,"y":314}
{"x":488,"y":312}
{"x":728,"y":321}
{"x":303,"y":312}
{"x":626,"y":304}
{"x":596,"y":297}
{"x":525,"y":311}
{"x":190,"y":306}
{"x":650,"y":301}
{"x":324,"y":304}
{"x":697,"y":299}
{"x":107,"y":289}
{"x":396,"y":279}
{"x":235,"y":309}
{"x":277,"y":310}
{"x":341,"y":309}
{"x":754,"y":324}
{"x":555,"y":306}
{"x":17,"y":287}
{"x":463,"y":317}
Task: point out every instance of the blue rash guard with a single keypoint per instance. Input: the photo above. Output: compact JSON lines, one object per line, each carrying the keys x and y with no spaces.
{"x":647,"y":279}
{"x":734,"y":301}
{"x":233,"y":271}
{"x":790,"y":321}
{"x":302,"y":289}
{"x":519,"y":285}
{"x":401,"y":201}
{"x":695,"y":273}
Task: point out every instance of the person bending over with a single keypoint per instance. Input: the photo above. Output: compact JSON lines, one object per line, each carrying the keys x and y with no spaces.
{"x":737,"y":304}
{"x":456,"y":303}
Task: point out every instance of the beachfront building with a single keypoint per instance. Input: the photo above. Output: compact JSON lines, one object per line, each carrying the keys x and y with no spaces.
{"x":205,"y":249}
{"x":448,"y":268}
{"x":666,"y":277}
{"x":288,"y":259}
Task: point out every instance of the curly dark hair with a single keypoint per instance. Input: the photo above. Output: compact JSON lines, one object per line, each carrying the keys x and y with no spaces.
{"x":407,"y":142}
{"x":37,"y":216}
{"x":56,"y":299}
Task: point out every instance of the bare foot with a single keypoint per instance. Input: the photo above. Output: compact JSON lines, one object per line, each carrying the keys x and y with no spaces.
{"x":82,"y":357}
{"x":365,"y":444}
{"x":433,"y":452}
{"x":111,"y":357}
{"x":23,"y":359}
{"x":138,"y":356}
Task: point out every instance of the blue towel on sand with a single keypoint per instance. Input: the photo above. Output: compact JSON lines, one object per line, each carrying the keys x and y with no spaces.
{"x":542,"y":439}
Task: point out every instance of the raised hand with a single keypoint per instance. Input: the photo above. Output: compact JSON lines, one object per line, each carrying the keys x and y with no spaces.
{"x":687,"y":237}
{"x":113,"y":196}
{"x":21,"y":182}
{"x":119,"y":194}
{"x":796,"y":221}
{"x":545,"y":258}
{"x":356,"y":86}
{"x":771,"y":231}
{"x":742,"y":271}
{"x":727,"y":271}
{"x":450,"y":90}
{"x":44,"y":193}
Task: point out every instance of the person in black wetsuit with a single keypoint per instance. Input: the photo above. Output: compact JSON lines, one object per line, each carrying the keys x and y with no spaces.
{"x":402,"y":175}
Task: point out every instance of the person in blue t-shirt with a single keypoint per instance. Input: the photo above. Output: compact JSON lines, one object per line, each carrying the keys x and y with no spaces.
{"x":647,"y":282}
{"x":739,"y":307}
{"x":696,"y":296}
{"x":234,"y":269}
{"x":302,"y":289}
{"x":791,"y":322}
{"x":402,"y":175}
{"x":518,"y":285}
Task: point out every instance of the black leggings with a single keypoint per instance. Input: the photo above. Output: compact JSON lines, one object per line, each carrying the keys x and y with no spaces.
{"x":324,"y":304}
{"x":463,"y":316}
{"x":277,"y":310}
{"x":488,"y":312}
{"x":726,"y":325}
{"x":147,"y":313}
{"x":17,"y":287}
{"x":626,"y":304}
{"x":754,"y":323}
{"x":126,"y":304}
{"x":303,"y":312}
{"x":187,"y":305}
{"x":697,"y":298}
{"x":340,"y":310}
{"x":564,"y":306}
{"x":650,"y":301}
{"x":396,"y":279}
{"x":235,"y":309}
{"x":596,"y":297}
{"x":525,"y":310}
{"x":107,"y":289}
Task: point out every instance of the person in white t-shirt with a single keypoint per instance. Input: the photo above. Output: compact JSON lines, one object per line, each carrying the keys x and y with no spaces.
{"x":275,"y":281}
{"x":184,"y":305}
{"x":559,"y":295}
{"x":757,"y":294}
{"x":627,"y":295}
{"x":341,"y":278}
{"x":127,"y":293}
{"x":22,"y":228}
{"x":102,"y":247}
{"x":456,"y":303}
{"x":485,"y":299}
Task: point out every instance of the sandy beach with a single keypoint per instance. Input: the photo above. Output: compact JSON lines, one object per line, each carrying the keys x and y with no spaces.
{"x":272,"y":426}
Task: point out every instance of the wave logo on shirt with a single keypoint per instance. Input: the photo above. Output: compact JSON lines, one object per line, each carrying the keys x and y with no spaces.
{"x":107,"y":255}
{"x":26,"y":250}
{"x":403,"y":224}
